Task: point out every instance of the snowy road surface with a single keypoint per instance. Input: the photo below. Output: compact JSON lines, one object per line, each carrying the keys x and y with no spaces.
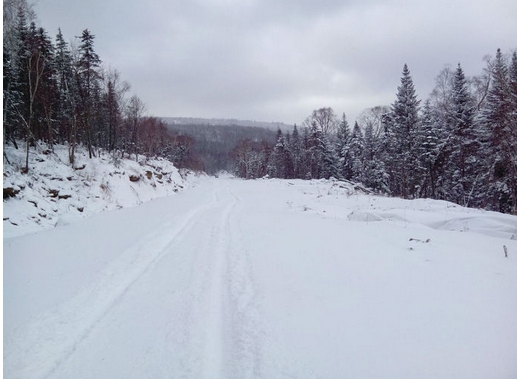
{"x":265,"y":279}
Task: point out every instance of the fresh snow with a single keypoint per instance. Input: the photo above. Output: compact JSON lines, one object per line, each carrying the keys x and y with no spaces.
{"x":260,"y":279}
{"x":53,"y":193}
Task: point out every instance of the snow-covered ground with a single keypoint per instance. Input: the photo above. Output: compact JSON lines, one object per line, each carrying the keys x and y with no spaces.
{"x":53,"y":193}
{"x":265,"y":279}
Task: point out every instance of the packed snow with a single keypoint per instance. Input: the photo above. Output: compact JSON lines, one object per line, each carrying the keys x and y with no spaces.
{"x":255,"y":279}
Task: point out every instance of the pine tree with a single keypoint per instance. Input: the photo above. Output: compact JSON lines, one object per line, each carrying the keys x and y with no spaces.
{"x":330,"y":166}
{"x":47,"y":94}
{"x":356,"y":153}
{"x":279,"y":161}
{"x":35,"y":84}
{"x":374,"y":172}
{"x":295,"y":147}
{"x":88,"y":80}
{"x":429,"y":149}
{"x":512,"y":72}
{"x":343,"y":139}
{"x":19,"y":66}
{"x":11,"y":100}
{"x":321,"y":158}
{"x":404,"y":129}
{"x":66,"y":91}
{"x":463,"y":145}
{"x":306,"y":156}
{"x":497,"y":119}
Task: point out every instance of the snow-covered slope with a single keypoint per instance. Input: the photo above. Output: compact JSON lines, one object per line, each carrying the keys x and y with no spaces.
{"x":53,"y":193}
{"x":266,"y":279}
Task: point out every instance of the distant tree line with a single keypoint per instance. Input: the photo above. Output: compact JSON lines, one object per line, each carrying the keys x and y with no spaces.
{"x":460,"y":145}
{"x":56,"y":92}
{"x":213,"y":145}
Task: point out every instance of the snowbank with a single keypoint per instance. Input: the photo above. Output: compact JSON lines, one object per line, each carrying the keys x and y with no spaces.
{"x":53,"y":193}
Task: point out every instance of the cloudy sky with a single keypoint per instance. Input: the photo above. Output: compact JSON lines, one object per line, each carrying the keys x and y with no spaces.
{"x":277,"y":60}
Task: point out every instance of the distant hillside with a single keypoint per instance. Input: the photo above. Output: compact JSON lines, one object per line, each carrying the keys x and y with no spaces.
{"x":214,"y":143}
{"x":227,"y":122}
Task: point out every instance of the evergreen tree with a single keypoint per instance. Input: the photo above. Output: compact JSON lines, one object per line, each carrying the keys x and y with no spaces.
{"x":323,"y":162}
{"x":11,"y":100}
{"x":429,"y":149}
{"x":66,"y":91}
{"x":512,"y":72}
{"x":295,"y":147}
{"x":497,"y":119}
{"x":280,"y":163}
{"x":46,"y":101}
{"x":356,"y":153}
{"x":330,"y":166}
{"x":404,"y":129}
{"x":19,"y":67}
{"x":343,"y":139}
{"x":374,"y":172}
{"x":88,"y":77}
{"x":463,"y":145}
{"x":306,"y":156}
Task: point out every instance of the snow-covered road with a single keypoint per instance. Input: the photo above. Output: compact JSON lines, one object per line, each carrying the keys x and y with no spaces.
{"x":265,"y":279}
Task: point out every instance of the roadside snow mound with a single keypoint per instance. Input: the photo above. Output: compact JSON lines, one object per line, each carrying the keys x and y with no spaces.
{"x":353,"y":202}
{"x":54,"y":193}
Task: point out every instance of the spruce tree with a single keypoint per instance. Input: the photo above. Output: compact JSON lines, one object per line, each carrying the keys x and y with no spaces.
{"x":19,"y":66}
{"x":295,"y":148}
{"x":11,"y":100}
{"x":374,"y":172}
{"x":497,"y":119}
{"x":279,"y":164}
{"x":47,"y":95}
{"x":88,"y":80}
{"x":356,"y":153}
{"x":404,"y":129}
{"x":343,"y":138}
{"x":429,"y":150}
{"x":463,"y":144}
{"x":66,"y":90}
{"x":330,"y":167}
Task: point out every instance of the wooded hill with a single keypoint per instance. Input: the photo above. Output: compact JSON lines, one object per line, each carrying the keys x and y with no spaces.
{"x":212,"y":148}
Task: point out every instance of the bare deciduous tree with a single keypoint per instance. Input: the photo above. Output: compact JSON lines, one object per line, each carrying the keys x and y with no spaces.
{"x":324,"y":119}
{"x":135,"y":111}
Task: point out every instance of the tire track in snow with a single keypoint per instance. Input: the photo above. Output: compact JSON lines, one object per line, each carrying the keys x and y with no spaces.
{"x":227,"y":329}
{"x":246,"y":329}
{"x":214,"y":363}
{"x":216,"y":299}
{"x":38,"y":348}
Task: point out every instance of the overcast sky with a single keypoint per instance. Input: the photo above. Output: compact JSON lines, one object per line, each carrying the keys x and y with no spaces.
{"x":277,"y":60}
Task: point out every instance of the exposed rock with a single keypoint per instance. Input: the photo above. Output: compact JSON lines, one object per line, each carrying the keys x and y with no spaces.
{"x":134,"y":178}
{"x":10,"y":192}
{"x":53,"y":193}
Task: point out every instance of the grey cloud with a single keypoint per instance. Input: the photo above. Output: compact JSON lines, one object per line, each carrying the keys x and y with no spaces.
{"x":279,"y":60}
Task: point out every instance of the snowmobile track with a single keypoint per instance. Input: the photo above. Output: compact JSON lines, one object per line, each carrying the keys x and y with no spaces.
{"x":67,"y":325}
